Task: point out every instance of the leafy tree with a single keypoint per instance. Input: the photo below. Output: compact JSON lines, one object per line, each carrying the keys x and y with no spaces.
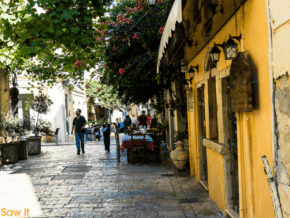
{"x":107,"y":95}
{"x":52,"y":35}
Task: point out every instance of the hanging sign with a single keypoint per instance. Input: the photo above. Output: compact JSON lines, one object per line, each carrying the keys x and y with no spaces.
{"x":241,"y":86}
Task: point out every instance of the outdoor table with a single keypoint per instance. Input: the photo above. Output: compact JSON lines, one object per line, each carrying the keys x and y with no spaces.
{"x":126,"y":141}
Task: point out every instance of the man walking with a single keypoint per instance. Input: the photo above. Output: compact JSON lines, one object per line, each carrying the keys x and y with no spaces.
{"x":143,"y":119}
{"x":79,"y":124}
{"x":106,"y":129}
{"x":134,"y":120}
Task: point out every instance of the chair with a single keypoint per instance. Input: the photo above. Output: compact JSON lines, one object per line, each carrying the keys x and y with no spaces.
{"x":138,"y":149}
{"x":157,"y":145}
{"x":128,"y":132}
{"x":55,"y":134}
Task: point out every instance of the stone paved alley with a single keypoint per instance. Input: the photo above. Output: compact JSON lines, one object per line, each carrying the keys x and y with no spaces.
{"x":103,"y":188}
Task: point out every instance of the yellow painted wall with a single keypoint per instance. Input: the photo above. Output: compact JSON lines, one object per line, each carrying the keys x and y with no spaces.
{"x":216,"y":178}
{"x":4,"y":94}
{"x":254,"y":128}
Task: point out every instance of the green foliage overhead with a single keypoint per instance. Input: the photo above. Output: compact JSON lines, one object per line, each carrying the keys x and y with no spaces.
{"x":131,"y":56}
{"x":51,"y":35}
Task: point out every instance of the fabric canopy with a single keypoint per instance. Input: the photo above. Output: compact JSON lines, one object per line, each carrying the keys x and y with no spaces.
{"x":174,"y":17}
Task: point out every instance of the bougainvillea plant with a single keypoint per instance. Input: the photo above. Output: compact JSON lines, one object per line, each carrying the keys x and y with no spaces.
{"x":133,"y":35}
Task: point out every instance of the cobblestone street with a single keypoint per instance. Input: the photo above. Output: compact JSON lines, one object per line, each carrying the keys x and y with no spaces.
{"x":94,"y":185}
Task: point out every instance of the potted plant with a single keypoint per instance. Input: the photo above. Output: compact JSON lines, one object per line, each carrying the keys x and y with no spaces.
{"x":44,"y":127}
{"x":40,"y":104}
{"x":179,"y":156}
{"x":22,"y":132}
{"x":8,"y":131}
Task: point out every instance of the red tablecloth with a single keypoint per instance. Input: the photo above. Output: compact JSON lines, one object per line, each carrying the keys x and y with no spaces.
{"x":127,"y":144}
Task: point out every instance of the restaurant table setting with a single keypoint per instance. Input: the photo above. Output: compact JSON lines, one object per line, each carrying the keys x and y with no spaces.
{"x":126,"y":141}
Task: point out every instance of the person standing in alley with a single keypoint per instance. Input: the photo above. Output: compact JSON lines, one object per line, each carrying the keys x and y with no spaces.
{"x":134,"y":120}
{"x":143,"y":119}
{"x":79,"y":124}
{"x":148,"y":119}
{"x":127,"y":122}
{"x":106,"y":129}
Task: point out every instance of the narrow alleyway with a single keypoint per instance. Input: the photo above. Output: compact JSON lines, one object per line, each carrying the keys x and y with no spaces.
{"x":94,"y":185}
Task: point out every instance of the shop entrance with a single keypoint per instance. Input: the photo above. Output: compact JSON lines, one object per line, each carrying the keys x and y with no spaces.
{"x":231,"y":140}
{"x":202,"y":135}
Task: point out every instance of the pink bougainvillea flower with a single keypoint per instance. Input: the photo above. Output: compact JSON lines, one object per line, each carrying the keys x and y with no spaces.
{"x":159,"y":1}
{"x":121,"y":71}
{"x":99,"y":89}
{"x":135,"y":36}
{"x":99,"y":39}
{"x":161,"y":30}
{"x":78,"y":64}
{"x":143,"y":46}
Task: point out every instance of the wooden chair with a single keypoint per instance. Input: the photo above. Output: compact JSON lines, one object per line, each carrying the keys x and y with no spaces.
{"x":138,"y":149}
{"x":157,"y":145}
{"x":128,"y":132}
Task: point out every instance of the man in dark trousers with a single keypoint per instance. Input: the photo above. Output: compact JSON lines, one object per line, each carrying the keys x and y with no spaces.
{"x":79,"y":124}
{"x":106,"y":129}
{"x":143,"y":119}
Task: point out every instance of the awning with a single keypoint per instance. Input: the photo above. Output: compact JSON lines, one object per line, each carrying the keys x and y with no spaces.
{"x":174,"y":17}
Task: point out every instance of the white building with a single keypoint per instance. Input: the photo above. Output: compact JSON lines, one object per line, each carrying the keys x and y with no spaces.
{"x":63,"y":109}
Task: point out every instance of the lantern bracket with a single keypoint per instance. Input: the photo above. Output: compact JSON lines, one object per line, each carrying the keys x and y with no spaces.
{"x":236,"y":37}
{"x":220,"y":45}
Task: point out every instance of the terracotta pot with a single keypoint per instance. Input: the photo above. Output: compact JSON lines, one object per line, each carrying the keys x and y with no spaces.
{"x":34,"y":145}
{"x":23,"y":150}
{"x":9,"y":152}
{"x":179,"y":156}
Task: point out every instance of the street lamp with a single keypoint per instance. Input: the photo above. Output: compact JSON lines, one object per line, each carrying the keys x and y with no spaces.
{"x":231,"y":48}
{"x":215,"y":52}
{"x":152,"y":4}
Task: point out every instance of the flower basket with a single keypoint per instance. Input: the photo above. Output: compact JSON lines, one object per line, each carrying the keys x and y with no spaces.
{"x":9,"y":152}
{"x":22,"y":150}
{"x":34,"y":145}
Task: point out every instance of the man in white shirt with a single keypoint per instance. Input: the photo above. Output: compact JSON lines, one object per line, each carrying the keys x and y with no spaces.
{"x":134,"y":119}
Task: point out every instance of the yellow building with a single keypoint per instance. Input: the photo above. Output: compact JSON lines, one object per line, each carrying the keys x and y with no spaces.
{"x":229,"y":101}
{"x":4,"y":93}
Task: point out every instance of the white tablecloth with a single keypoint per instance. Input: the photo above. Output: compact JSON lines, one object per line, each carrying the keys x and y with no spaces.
{"x":128,"y":138}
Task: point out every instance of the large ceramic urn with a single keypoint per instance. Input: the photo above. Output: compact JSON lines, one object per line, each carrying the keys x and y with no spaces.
{"x":179,"y":156}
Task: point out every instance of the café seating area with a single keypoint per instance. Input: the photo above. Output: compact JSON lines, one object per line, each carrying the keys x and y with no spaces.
{"x":143,"y":145}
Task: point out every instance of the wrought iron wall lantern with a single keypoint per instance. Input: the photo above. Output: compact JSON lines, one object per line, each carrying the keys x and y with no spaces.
{"x":191,"y":72}
{"x":153,"y":6}
{"x":230,"y":49}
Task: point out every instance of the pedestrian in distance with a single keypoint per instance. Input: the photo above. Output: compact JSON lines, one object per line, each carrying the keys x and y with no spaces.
{"x":143,"y":119}
{"x":106,"y":129}
{"x":134,"y":120}
{"x":148,"y":119}
{"x":79,"y":124}
{"x":127,"y":122}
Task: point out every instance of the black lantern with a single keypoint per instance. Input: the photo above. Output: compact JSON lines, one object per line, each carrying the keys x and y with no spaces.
{"x":215,"y":53}
{"x":231,"y":48}
{"x":151,"y":2}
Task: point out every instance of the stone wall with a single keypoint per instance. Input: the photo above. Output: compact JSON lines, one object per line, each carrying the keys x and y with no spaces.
{"x":282,"y":109}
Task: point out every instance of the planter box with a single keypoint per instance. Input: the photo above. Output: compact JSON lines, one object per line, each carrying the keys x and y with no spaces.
{"x":34,"y":145}
{"x":22,"y":150}
{"x":9,"y":152}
